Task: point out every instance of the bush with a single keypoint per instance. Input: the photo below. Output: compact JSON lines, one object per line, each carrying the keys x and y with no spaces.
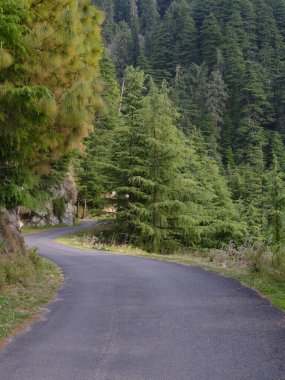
{"x":58,"y":205}
{"x":267,"y":261}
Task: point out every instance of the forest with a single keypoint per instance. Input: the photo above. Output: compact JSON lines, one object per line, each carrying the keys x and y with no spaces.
{"x":173,"y":116}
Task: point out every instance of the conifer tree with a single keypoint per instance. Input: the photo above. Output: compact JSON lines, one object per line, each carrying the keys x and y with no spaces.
{"x":149,"y":19}
{"x":126,"y":149}
{"x":185,"y":36}
{"x":175,"y":42}
{"x":135,"y":51}
{"x":93,"y":166}
{"x":152,"y":209}
{"x":217,"y":97}
{"x":249,"y":18}
{"x":163,"y":57}
{"x":276,"y":201}
{"x":121,"y":48}
{"x":67,"y":62}
{"x":49,"y":88}
{"x":122,"y":10}
{"x":109,"y":26}
{"x":211,"y":39}
{"x":236,"y":103}
{"x":221,"y":220}
{"x":25,"y":110}
{"x":144,"y":64}
{"x":159,"y":216}
{"x":163,"y":5}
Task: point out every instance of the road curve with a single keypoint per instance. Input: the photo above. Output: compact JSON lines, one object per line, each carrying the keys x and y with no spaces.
{"x":126,"y":318}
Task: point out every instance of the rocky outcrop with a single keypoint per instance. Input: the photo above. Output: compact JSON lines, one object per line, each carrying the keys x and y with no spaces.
{"x":60,"y":210}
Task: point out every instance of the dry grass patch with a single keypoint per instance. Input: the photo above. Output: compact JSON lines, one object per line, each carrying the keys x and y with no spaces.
{"x":26,"y":283}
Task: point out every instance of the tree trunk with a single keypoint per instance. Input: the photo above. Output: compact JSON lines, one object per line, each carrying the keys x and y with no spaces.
{"x":84,"y":210}
{"x":77,"y":210}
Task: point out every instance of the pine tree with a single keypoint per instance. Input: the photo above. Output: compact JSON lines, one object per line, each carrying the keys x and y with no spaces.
{"x":67,"y":62}
{"x":275,"y":201}
{"x":163,"y":57}
{"x":164,"y":194}
{"x":184,"y":34}
{"x":278,"y":100}
{"x":109,"y":26}
{"x":221,"y":222}
{"x":153,"y":208}
{"x":163,"y":5}
{"x":126,"y":148}
{"x":197,"y":82}
{"x":217,"y":98}
{"x":149,"y":19}
{"x":249,"y":17}
{"x":175,"y":42}
{"x":144,"y":64}
{"x":252,"y":114}
{"x":93,"y":166}
{"x":122,"y":10}
{"x":121,"y":48}
{"x":25,"y":110}
{"x":211,"y":39}
{"x":135,"y":50}
{"x":49,"y":88}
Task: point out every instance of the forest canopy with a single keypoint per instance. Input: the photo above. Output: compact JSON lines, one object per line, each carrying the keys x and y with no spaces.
{"x":49,"y":89}
{"x":188,"y":103}
{"x":221,"y":67}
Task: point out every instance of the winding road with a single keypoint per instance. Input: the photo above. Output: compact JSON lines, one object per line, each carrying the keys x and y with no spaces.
{"x":127,"y":318}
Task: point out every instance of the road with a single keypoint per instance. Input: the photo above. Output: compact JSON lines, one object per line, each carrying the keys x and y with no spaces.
{"x":127,"y":318}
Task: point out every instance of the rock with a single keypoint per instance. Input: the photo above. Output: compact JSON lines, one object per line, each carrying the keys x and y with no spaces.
{"x":66,"y":192}
{"x":68,"y":217}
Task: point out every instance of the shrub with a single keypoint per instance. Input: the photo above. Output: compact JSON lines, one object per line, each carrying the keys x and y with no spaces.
{"x":59,"y":208}
{"x":267,"y":261}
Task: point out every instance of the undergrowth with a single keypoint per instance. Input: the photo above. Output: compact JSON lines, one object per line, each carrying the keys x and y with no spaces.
{"x":26,"y":283}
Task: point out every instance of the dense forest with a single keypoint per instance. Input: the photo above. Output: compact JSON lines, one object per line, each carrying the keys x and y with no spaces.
{"x":188,"y":103}
{"x":192,"y":141}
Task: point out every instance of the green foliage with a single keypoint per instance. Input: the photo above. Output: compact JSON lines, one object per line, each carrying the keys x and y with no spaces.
{"x":58,"y":205}
{"x":49,"y":68}
{"x":176,"y":160}
{"x":163,"y":193}
{"x":92,"y":168}
{"x":224,"y":63}
{"x":276,"y":201}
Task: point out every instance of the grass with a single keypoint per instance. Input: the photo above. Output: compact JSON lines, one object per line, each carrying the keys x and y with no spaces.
{"x":267,"y":282}
{"x":26,"y":284}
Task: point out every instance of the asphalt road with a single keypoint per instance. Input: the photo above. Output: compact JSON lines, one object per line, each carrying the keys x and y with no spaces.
{"x":126,"y":318}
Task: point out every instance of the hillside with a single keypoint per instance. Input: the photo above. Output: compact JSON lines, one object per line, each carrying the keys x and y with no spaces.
{"x":222,"y":72}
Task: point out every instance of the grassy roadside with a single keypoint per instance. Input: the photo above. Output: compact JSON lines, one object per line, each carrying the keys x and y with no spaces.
{"x":26,"y":284}
{"x":271,"y":287}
